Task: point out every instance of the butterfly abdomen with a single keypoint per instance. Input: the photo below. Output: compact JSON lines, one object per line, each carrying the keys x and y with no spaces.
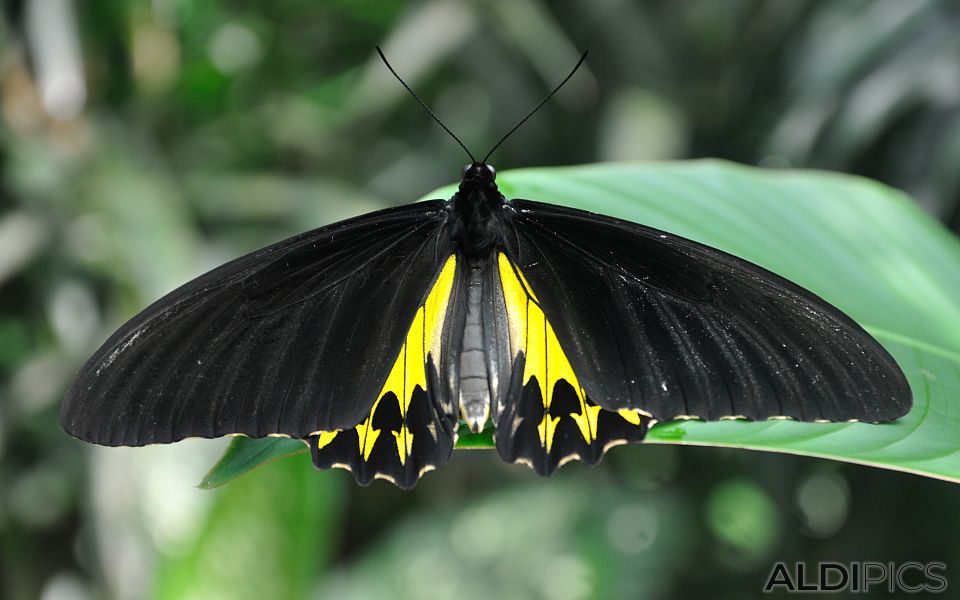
{"x":474,"y":377}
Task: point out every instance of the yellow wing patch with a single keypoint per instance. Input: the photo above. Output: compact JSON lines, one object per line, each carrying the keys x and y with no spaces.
{"x":630,"y":415}
{"x":409,"y":369}
{"x":546,"y":362}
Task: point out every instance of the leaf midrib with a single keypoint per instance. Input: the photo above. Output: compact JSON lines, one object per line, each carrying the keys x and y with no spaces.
{"x":906,"y":340}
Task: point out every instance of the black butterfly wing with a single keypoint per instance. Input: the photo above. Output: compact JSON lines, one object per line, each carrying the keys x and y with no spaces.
{"x":654,"y":322}
{"x":295,"y":339}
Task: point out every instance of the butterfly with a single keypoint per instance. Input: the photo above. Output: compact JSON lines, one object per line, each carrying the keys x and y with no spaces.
{"x":569,"y":332}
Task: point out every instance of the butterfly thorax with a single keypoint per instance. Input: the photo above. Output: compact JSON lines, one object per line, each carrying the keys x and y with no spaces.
{"x":475,"y":225}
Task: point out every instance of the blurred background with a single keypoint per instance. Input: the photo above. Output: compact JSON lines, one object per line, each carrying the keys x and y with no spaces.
{"x":144,"y":142}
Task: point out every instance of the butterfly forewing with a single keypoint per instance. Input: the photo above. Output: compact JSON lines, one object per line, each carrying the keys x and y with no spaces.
{"x":293,"y":339}
{"x":655,"y":322}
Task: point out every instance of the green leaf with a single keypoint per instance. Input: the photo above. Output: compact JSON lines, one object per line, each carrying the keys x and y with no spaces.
{"x":861,"y":245}
{"x":470,"y":440}
{"x":244,"y":454}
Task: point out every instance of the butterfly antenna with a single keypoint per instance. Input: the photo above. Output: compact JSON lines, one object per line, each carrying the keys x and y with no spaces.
{"x":424,"y":105}
{"x":524,"y":120}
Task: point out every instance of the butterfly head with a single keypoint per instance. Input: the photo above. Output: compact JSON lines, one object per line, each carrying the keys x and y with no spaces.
{"x":478,"y":183}
{"x":478,"y":174}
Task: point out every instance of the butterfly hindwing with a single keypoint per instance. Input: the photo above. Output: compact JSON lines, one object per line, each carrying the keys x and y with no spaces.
{"x":547,"y":418}
{"x":410,"y":428}
{"x":294,"y":339}
{"x":657,"y":323}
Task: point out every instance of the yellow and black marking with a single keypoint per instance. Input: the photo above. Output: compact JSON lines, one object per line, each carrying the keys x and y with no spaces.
{"x":547,"y":418}
{"x":403,"y":435}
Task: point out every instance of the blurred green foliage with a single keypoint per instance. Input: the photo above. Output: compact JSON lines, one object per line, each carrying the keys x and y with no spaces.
{"x":143,"y":142}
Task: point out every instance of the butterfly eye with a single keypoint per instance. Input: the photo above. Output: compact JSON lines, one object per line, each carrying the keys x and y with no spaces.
{"x":465,"y":170}
{"x":493,"y":172}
